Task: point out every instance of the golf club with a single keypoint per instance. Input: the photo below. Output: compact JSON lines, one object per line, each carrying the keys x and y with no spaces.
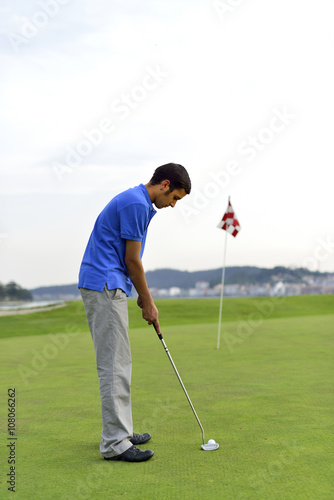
{"x":211,"y":444}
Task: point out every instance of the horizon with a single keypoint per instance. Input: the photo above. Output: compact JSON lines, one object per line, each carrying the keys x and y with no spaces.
{"x":186,"y":271}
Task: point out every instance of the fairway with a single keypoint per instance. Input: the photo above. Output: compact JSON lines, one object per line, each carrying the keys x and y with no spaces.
{"x":266,"y":397}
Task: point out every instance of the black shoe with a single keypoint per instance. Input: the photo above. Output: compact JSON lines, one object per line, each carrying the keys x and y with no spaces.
{"x":140,"y":438}
{"x":133,"y":454}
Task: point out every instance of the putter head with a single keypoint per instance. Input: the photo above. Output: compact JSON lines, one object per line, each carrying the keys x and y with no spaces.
{"x":210,"y":446}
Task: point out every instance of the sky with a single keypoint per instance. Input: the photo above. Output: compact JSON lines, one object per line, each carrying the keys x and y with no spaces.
{"x":95,"y":95}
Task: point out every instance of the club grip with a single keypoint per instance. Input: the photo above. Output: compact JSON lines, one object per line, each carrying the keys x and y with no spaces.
{"x":159,"y":334}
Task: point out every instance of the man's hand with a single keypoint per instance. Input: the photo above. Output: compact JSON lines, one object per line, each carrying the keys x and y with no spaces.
{"x":150,"y":313}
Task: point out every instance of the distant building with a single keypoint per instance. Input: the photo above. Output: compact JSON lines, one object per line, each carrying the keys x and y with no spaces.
{"x":202,"y":285}
{"x":279,"y":289}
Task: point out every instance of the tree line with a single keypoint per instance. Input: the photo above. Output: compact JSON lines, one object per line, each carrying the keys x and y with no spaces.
{"x":12,"y":291}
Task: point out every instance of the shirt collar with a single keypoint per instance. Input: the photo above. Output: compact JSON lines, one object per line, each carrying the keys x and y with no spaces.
{"x":147,"y":196}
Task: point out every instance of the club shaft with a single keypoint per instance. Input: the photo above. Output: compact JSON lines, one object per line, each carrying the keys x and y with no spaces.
{"x":182,"y":384}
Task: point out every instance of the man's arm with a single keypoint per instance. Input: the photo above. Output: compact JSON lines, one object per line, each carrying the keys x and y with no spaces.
{"x":137,"y":275}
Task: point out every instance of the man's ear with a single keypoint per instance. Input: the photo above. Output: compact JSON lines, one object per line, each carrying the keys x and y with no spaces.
{"x":165,"y":183}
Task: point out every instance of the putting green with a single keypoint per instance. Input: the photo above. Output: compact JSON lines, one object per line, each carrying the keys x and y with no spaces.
{"x":265,"y":397}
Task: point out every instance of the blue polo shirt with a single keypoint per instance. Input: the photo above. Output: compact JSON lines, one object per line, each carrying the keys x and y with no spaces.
{"x":126,"y":217}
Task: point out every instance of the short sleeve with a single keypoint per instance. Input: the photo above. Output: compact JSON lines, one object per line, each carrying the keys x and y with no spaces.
{"x":133,"y":221}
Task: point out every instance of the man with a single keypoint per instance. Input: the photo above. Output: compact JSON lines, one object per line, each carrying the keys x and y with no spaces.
{"x":111,"y":265}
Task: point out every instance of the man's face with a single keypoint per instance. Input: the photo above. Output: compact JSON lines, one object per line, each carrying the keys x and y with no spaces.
{"x":167,"y":198}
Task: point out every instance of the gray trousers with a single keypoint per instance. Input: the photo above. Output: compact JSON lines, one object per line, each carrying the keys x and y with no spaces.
{"x":107,"y":316}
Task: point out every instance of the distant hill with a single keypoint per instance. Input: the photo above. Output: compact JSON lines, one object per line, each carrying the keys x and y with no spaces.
{"x":167,"y":278}
{"x":55,"y":291}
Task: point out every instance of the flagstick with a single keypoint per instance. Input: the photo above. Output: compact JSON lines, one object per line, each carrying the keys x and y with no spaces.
{"x":222,"y":289}
{"x":221,"y":295}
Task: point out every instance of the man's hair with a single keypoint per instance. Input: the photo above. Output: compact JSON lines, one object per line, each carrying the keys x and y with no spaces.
{"x":175,"y":173}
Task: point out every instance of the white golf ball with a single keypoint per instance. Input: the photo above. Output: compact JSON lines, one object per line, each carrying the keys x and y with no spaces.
{"x":211,"y":441}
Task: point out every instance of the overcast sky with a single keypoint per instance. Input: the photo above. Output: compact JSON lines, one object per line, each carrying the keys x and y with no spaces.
{"x":95,"y":95}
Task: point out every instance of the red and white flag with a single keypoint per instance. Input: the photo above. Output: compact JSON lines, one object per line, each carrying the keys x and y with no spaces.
{"x":229,"y":221}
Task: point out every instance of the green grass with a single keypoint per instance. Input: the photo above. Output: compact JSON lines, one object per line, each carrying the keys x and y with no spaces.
{"x":266,"y":396}
{"x":172,"y":312}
